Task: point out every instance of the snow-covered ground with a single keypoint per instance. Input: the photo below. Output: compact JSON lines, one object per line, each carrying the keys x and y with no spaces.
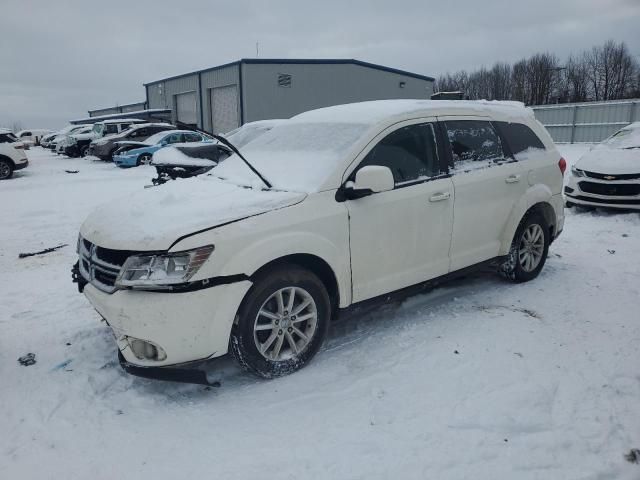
{"x":477,"y":379}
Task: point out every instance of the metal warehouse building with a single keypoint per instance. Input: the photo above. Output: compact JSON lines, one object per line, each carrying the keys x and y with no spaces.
{"x":129,"y":107}
{"x":222,"y":98}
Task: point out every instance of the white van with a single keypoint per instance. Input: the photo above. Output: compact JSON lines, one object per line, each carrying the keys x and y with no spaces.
{"x":335,"y":207}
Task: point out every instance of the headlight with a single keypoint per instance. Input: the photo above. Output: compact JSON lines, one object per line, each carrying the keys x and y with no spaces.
{"x":71,"y":141}
{"x":143,"y":271}
{"x":577,"y":172}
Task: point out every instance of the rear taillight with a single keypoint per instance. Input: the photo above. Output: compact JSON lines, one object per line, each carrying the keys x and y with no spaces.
{"x":562,"y":164}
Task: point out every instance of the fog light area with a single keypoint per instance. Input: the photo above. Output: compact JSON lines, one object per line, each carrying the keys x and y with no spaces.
{"x":145,"y":350}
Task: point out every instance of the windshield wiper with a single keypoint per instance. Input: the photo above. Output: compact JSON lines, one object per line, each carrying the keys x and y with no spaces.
{"x":226,"y":142}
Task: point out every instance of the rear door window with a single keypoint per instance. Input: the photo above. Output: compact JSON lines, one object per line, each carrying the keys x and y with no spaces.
{"x":474,"y":144}
{"x":519,"y":137}
{"x":410,"y":152}
{"x":192,"y":137}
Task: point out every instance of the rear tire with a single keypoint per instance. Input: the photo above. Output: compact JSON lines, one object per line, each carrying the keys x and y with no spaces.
{"x":6,"y":169}
{"x":276,"y":335}
{"x":529,"y":249}
{"x":84,"y":150}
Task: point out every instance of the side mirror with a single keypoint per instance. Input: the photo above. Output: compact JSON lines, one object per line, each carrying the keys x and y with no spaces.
{"x":370,"y":179}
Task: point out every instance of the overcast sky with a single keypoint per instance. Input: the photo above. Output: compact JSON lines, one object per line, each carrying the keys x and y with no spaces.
{"x":59,"y":59}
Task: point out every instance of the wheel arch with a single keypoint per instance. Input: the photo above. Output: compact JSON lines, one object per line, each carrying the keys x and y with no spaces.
{"x":537,"y":199}
{"x":5,"y":157}
{"x":314,"y":264}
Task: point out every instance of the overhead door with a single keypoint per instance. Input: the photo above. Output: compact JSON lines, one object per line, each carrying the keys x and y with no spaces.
{"x":186,"y":108}
{"x":224,"y":108}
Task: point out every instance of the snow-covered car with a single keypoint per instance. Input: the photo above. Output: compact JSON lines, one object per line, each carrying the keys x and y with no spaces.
{"x":78,"y":143}
{"x":133,"y":154}
{"x":104,"y":148}
{"x":32,"y":136}
{"x":60,"y":135}
{"x":609,"y":174}
{"x":12,"y":157}
{"x":7,"y":136}
{"x":189,"y":160}
{"x":66,"y":144}
{"x":334,"y":207}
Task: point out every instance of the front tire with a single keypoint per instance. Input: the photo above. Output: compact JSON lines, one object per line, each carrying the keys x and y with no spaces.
{"x":282,"y":322}
{"x":84,"y":150}
{"x":6,"y":169}
{"x":144,"y":159}
{"x":529,"y":249}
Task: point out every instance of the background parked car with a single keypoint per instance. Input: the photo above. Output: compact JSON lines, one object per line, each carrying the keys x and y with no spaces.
{"x":33,"y":136}
{"x":79,"y":142}
{"x":12,"y":157}
{"x":609,"y":174}
{"x":103,"y":148}
{"x":7,"y":136}
{"x":190,"y":160}
{"x":67,"y":145}
{"x":133,"y":154}
{"x":61,"y":134}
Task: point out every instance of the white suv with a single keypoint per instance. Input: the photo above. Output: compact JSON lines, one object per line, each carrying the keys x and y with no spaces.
{"x":335,"y":207}
{"x":12,"y":155}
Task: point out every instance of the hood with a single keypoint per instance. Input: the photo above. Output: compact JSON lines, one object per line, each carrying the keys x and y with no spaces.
{"x":607,"y":160}
{"x":153,"y":219}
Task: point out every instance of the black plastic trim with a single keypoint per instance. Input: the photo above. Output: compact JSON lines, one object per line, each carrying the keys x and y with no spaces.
{"x":371,"y":303}
{"x":185,"y":373}
{"x":617,"y":201}
{"x":194,"y":286}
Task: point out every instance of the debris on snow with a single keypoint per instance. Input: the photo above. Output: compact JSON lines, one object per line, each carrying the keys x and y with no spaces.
{"x":611,"y":251}
{"x":42,"y":252}
{"x":633,"y":456}
{"x":27,"y":360}
{"x":72,"y":171}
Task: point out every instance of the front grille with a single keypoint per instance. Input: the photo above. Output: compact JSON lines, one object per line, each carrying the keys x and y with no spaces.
{"x":611,"y":189}
{"x":100,"y":266}
{"x":612,"y":178}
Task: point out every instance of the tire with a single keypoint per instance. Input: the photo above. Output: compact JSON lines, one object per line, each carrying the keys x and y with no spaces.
{"x":276,"y":334}
{"x":529,"y":249}
{"x":144,"y":159}
{"x":6,"y":169}
{"x":84,"y":150}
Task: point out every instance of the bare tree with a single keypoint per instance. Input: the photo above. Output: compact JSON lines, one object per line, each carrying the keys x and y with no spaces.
{"x":501,"y":81}
{"x":577,"y":83}
{"x":610,"y":71}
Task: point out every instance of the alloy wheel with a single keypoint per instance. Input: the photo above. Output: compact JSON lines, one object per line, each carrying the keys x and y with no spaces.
{"x":531,"y":247}
{"x":285,"y":324}
{"x":5,"y":170}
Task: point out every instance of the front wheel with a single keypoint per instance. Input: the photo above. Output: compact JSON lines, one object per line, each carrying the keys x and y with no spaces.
{"x":6,"y":170}
{"x":282,"y":322}
{"x":84,"y":151}
{"x":144,"y":159}
{"x":529,"y":249}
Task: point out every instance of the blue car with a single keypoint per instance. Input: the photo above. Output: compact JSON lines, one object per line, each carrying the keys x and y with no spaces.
{"x":132,"y":154}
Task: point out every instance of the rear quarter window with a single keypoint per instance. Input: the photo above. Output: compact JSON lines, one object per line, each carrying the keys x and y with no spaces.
{"x":519,"y":137}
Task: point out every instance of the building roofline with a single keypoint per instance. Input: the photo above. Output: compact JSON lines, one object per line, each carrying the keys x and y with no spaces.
{"x":298,"y":61}
{"x":118,"y":106}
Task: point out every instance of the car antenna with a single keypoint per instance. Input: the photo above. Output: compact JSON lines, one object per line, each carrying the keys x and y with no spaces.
{"x":226,"y":142}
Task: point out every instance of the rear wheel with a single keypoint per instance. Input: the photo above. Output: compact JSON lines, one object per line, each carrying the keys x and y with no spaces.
{"x":6,"y":169}
{"x":84,"y":150}
{"x":144,"y":159}
{"x":529,"y":249}
{"x":282,"y":322}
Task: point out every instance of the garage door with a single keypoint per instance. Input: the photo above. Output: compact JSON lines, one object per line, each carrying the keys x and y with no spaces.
{"x":224,"y":108}
{"x":186,"y":108}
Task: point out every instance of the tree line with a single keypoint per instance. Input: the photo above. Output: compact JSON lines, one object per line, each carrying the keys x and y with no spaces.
{"x":606,"y":72}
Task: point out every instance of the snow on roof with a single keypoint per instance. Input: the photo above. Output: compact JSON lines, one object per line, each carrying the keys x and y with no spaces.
{"x":373,"y":112}
{"x":121,"y":120}
{"x":5,"y":130}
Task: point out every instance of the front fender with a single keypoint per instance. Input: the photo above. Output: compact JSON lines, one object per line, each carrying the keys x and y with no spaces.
{"x":538,"y":193}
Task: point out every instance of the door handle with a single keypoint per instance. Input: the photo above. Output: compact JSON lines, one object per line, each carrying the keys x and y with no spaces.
{"x":438,"y":197}
{"x":512,"y":179}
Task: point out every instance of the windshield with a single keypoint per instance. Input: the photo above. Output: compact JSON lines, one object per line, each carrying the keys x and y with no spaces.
{"x":243,"y":135}
{"x":98,"y":128}
{"x":628,"y":137}
{"x":294,"y":156}
{"x":156,"y":138}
